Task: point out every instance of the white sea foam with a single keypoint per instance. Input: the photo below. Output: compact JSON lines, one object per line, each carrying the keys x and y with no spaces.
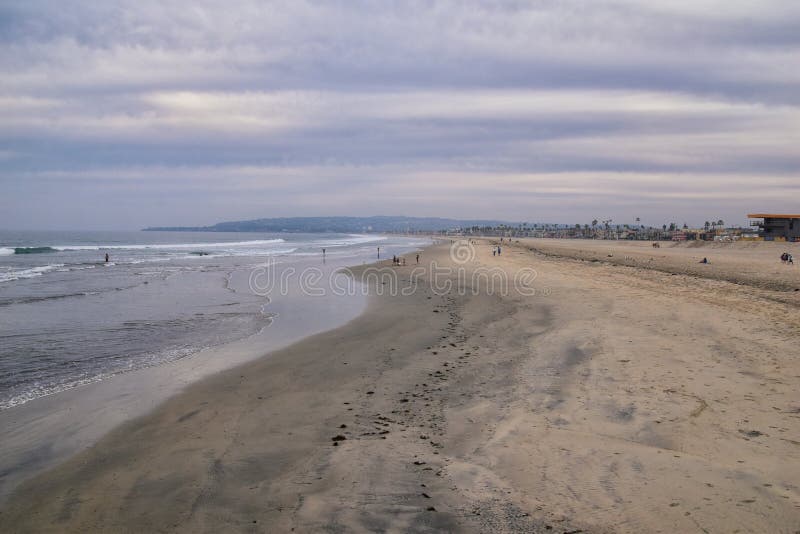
{"x":28,"y":273}
{"x":254,"y":247}
{"x":160,"y":246}
{"x":352,"y":239}
{"x":240,"y":252}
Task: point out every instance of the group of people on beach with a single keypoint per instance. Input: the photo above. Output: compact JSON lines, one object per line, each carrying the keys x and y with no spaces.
{"x":398,"y":261}
{"x":787,"y":259}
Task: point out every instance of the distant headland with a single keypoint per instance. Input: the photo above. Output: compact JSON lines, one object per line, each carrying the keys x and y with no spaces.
{"x":335,"y":224}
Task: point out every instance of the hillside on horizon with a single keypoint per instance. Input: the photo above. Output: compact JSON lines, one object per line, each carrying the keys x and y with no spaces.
{"x":382,"y":223}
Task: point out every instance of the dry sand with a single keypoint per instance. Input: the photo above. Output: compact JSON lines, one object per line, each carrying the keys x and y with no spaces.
{"x":617,"y":398}
{"x":755,"y":263}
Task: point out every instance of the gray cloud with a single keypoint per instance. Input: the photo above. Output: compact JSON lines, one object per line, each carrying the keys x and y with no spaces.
{"x":139,"y":113}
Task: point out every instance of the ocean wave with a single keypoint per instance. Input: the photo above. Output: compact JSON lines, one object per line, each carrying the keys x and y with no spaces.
{"x":82,"y":267}
{"x":57,"y":385}
{"x":159,"y":246}
{"x":32,"y":300}
{"x":10,"y":276}
{"x":98,"y":368}
{"x":357,"y":239}
{"x":7,"y":251}
{"x":351,"y":239}
{"x":26,"y":250}
{"x":46,"y":390}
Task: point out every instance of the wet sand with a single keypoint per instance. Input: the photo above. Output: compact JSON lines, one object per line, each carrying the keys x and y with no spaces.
{"x":46,"y":431}
{"x":616,"y":398}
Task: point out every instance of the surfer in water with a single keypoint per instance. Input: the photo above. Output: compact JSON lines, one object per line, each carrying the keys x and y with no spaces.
{"x":106,"y":257}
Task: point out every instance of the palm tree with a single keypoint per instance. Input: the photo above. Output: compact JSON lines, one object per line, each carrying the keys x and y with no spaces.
{"x":606,"y":224}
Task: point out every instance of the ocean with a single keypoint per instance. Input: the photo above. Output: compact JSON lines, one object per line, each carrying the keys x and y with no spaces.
{"x":69,"y":318}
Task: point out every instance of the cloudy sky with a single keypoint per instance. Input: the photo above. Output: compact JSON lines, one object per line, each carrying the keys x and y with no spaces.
{"x":120,"y":115}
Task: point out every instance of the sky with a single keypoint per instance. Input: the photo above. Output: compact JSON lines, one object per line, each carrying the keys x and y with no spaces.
{"x":121,"y":115}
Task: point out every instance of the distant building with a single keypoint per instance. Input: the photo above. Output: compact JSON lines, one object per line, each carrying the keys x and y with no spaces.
{"x":680,"y":236}
{"x":776,"y":226}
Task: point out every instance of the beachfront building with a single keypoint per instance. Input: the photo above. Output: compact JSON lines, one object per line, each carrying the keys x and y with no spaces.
{"x":680,"y":235}
{"x":777,"y":226}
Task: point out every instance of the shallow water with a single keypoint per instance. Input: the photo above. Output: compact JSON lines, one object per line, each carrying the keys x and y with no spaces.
{"x":68,"y":318}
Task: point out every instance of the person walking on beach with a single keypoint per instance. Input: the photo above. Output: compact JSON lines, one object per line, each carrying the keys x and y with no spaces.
{"x":106,"y":257}
{"x":417,"y":259}
{"x":789,"y":259}
{"x":785,"y":258}
{"x":379,"y":252}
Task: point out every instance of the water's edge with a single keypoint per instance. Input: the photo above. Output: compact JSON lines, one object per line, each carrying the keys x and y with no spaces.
{"x":43,"y":432}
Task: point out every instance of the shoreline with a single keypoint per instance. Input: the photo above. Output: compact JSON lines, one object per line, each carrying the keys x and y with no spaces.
{"x":614,"y":399}
{"x":47,"y":430}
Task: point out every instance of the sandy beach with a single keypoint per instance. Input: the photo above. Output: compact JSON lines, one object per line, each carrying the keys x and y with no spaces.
{"x":620,"y":389}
